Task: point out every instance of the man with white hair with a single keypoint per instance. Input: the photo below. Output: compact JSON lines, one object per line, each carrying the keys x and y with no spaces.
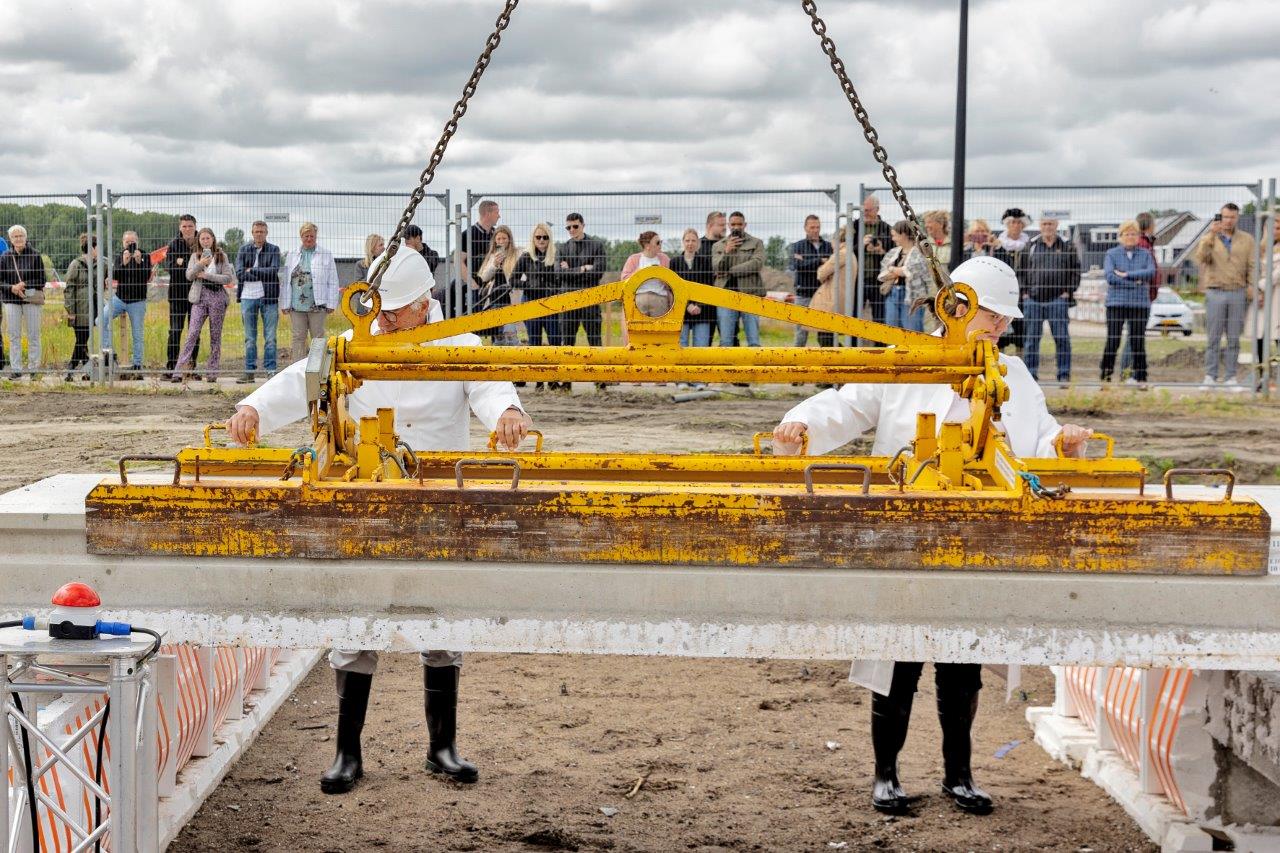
{"x":429,"y":416}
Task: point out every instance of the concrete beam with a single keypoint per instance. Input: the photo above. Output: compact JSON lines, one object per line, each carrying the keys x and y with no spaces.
{"x":1201,"y":622}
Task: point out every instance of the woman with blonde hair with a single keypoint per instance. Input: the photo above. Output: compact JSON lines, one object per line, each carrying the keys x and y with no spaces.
{"x":1129,"y":269}
{"x":937,"y":224}
{"x":979,"y":240}
{"x":373,"y":248}
{"x":497,"y":277}
{"x":537,"y":278}
{"x":209,"y":273}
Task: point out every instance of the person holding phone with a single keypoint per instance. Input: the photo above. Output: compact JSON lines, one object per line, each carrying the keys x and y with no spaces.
{"x":877,"y":240}
{"x":133,"y":277}
{"x":22,"y":281}
{"x":737,"y":261}
{"x":209,"y":272}
{"x":979,"y":241}
{"x":497,"y":276}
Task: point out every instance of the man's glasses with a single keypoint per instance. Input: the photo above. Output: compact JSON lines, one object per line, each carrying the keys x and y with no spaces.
{"x":574,"y":227}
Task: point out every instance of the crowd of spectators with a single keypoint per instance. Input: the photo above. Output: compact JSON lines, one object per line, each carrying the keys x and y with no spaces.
{"x":491,"y":270}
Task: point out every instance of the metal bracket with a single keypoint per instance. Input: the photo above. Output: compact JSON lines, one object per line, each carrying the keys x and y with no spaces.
{"x":177,"y":466}
{"x":837,"y":466}
{"x":515,"y":469}
{"x":319,"y":362}
{"x":1198,"y":472}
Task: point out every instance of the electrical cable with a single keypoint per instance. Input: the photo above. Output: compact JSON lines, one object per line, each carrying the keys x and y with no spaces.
{"x":97,"y":775}
{"x":155,"y":647}
{"x":31,"y":783}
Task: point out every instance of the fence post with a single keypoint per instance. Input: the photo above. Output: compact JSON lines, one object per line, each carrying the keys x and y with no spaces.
{"x":1102,"y":723}
{"x":1064,"y":703}
{"x":204,"y":740}
{"x":100,"y":285}
{"x":164,"y":671}
{"x":1148,"y":694}
{"x":1268,"y":288}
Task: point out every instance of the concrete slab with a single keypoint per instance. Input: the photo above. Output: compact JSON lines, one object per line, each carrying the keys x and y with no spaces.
{"x":992,"y":617}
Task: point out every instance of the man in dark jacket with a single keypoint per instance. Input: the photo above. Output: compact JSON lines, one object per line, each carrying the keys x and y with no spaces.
{"x":717,"y":225}
{"x":1052,"y":276}
{"x":175,"y":261}
{"x":582,"y":264}
{"x":876,"y":236}
{"x":413,"y":239}
{"x":806,"y":256}
{"x":258,"y":292}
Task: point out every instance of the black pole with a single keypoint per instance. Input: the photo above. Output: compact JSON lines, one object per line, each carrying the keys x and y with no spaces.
{"x":957,"y":178}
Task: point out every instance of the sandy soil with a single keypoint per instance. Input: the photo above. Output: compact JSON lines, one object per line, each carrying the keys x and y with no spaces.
{"x":734,"y":754}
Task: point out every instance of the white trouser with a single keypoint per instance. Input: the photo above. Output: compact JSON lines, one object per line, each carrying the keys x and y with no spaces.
{"x":16,"y":316}
{"x":366,"y":661}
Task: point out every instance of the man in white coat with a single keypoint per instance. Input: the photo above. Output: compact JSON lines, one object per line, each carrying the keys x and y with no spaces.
{"x":834,"y":417}
{"x":429,"y":416}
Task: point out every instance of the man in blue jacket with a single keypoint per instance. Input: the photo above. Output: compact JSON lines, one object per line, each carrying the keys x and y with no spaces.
{"x":806,"y":256}
{"x":258,"y":292}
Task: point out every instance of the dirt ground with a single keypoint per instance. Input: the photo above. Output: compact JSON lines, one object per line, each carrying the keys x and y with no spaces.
{"x":735,"y":755}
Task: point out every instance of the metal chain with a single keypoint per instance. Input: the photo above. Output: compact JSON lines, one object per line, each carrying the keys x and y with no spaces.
{"x":940,"y":275}
{"x":450,"y":128}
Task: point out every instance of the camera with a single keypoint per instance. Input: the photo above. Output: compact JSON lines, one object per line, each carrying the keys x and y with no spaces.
{"x":132,"y":247}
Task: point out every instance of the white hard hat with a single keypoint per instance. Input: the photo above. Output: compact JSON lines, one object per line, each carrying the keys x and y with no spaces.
{"x":995,"y":283}
{"x":407,"y":279}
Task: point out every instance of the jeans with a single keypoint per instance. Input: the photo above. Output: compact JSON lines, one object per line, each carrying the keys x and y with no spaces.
{"x":1136,"y":318}
{"x":548,"y":327}
{"x":137,"y":312}
{"x":1053,"y":312}
{"x":728,"y":318}
{"x":251,"y":310}
{"x":588,"y":318}
{"x":699,"y":333}
{"x":1223,"y":314}
{"x":897,"y":310}
{"x":16,"y":316}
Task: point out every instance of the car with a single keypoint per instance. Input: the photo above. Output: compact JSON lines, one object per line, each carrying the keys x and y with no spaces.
{"x":1170,"y":313}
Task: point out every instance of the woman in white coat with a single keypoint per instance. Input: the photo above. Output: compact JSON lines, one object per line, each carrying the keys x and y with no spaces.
{"x":834,"y":417}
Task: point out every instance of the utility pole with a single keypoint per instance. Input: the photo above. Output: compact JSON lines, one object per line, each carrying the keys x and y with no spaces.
{"x":957,"y":178}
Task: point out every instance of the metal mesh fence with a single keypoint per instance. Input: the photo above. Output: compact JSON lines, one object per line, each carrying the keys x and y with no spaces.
{"x":38,"y":339}
{"x":775,"y":216}
{"x":1089,"y":217}
{"x":344,"y":221}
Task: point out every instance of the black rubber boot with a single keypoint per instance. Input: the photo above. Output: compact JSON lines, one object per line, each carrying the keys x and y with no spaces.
{"x":890,"y":718}
{"x":440,"y":696}
{"x":956,"y":714}
{"x":353,"y":701}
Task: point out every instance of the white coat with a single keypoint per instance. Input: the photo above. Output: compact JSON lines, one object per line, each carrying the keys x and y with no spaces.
{"x":837,"y":416}
{"x":429,"y":415}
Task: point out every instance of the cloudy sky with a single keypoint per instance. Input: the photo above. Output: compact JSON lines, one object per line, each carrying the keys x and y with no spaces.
{"x":631,"y":94}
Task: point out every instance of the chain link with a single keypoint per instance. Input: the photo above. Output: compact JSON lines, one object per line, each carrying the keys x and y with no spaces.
{"x":940,"y":275}
{"x":450,"y":128}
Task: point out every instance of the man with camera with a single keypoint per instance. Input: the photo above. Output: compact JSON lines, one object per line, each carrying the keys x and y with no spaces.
{"x":877,"y":239}
{"x":133,"y":275}
{"x":1227,"y":256}
{"x":737,"y":260}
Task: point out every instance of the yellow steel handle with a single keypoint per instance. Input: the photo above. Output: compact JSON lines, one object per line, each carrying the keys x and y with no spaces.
{"x":537,"y":447}
{"x":208,"y":437}
{"x":1097,"y":436}
{"x":763,"y":436}
{"x":1199,"y":472}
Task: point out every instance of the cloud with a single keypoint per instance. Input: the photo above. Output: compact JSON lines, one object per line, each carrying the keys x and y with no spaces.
{"x":631,"y":94}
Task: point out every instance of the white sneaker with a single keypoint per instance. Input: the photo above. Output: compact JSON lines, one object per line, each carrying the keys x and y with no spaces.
{"x":1131,"y":381}
{"x":1232,"y":384}
{"x":1209,"y":381}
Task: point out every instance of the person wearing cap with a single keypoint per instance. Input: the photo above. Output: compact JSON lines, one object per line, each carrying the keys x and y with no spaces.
{"x":1011,"y":247}
{"x":836,"y":416}
{"x":429,"y":416}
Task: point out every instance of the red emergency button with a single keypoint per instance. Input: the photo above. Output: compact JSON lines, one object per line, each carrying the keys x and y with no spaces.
{"x":76,"y":594}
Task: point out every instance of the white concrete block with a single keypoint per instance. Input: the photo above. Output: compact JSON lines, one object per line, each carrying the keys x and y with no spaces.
{"x":1185,"y":838}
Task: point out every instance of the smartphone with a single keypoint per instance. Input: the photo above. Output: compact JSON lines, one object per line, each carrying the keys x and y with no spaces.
{"x":739,"y":233}
{"x":1217,"y":217}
